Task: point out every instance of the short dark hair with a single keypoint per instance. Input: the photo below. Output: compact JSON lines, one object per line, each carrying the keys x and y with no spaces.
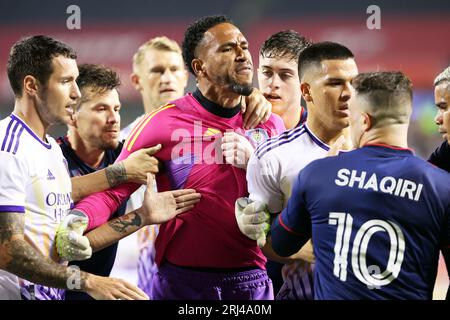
{"x":286,"y":43}
{"x":317,"y":52}
{"x":194,"y":35}
{"x":33,"y":56}
{"x":96,"y":77}
{"x":389,"y":94}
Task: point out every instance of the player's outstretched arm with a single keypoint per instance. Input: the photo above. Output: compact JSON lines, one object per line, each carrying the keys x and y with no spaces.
{"x":132,"y":169}
{"x":19,"y":258}
{"x":256,"y":109}
{"x":157,"y":208}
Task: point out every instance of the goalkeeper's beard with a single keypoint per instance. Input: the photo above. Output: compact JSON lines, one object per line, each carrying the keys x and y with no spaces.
{"x":242,"y":89}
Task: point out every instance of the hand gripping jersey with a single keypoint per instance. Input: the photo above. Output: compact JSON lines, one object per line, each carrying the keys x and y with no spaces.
{"x":35,"y":183}
{"x":271,"y":173}
{"x":190,"y":134}
{"x":378,"y":216}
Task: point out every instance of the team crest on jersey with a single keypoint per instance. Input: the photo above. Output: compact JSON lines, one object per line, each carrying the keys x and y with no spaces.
{"x":256,"y":136}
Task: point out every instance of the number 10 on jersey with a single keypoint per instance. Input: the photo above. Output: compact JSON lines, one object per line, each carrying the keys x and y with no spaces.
{"x":364,"y":273}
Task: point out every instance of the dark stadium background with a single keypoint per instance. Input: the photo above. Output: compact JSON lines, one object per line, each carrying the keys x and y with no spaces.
{"x":414,"y":38}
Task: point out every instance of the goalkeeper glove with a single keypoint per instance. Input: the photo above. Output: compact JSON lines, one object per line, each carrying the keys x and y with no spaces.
{"x":253,"y":219}
{"x":70,"y":242}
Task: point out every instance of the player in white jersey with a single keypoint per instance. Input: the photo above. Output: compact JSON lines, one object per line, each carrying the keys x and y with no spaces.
{"x":35,"y":190}
{"x":325,"y":70}
{"x":279,"y":82}
{"x":35,"y":184}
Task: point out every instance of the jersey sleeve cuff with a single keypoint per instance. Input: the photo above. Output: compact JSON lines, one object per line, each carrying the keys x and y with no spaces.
{"x":18,"y":209}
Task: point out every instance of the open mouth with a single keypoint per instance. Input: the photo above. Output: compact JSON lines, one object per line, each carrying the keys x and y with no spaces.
{"x":168,"y":90}
{"x":69,"y":109}
{"x":272,"y":96}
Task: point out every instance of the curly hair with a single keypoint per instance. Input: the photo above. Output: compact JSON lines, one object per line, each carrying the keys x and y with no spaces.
{"x":194,"y":35}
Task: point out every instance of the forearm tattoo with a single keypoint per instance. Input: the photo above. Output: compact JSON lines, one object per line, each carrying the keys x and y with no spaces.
{"x":26,"y":262}
{"x":116,"y":174}
{"x":121,"y":224}
{"x":10,"y":224}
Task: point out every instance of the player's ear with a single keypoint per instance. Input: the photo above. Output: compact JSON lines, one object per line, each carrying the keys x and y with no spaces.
{"x":367,"y":121}
{"x":306,"y":93}
{"x":135,"y":81}
{"x":197,"y":66}
{"x":30,"y":85}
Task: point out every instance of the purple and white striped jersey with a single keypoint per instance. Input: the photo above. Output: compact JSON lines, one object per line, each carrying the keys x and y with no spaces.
{"x":34,"y":182}
{"x":271,"y":173}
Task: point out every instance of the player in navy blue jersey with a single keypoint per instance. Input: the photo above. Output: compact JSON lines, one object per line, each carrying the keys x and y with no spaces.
{"x":441,"y":156}
{"x":378,"y":215}
{"x":92,"y":144}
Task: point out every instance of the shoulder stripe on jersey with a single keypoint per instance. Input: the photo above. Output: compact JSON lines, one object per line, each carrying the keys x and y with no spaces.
{"x":286,"y":227}
{"x":7,"y":133}
{"x":13,"y":136}
{"x":284,"y":135}
{"x":138,"y":125}
{"x":132,"y":140}
{"x":279,"y":142}
{"x":18,"y":140}
{"x":316,"y":140}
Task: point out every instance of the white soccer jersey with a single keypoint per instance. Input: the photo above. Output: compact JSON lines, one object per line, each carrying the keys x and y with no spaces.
{"x":35,"y":182}
{"x":271,"y":173}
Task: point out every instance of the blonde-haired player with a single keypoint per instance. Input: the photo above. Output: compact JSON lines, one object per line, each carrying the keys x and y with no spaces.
{"x":160,"y":76}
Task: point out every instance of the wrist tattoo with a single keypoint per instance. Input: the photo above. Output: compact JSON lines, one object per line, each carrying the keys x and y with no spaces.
{"x":121,"y":224}
{"x":116,"y":174}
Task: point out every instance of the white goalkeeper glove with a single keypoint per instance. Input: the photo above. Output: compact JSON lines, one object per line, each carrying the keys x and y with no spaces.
{"x":70,"y":242}
{"x":253,"y":219}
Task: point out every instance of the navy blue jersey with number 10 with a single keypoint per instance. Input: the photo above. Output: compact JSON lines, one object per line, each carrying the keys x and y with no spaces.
{"x":378,"y":217}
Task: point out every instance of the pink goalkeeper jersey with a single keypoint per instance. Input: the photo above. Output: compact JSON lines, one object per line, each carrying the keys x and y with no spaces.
{"x":207,"y":235}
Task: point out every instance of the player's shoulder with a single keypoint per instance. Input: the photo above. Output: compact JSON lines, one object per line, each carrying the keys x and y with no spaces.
{"x":13,"y":135}
{"x":431,"y":169}
{"x":274,"y":144}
